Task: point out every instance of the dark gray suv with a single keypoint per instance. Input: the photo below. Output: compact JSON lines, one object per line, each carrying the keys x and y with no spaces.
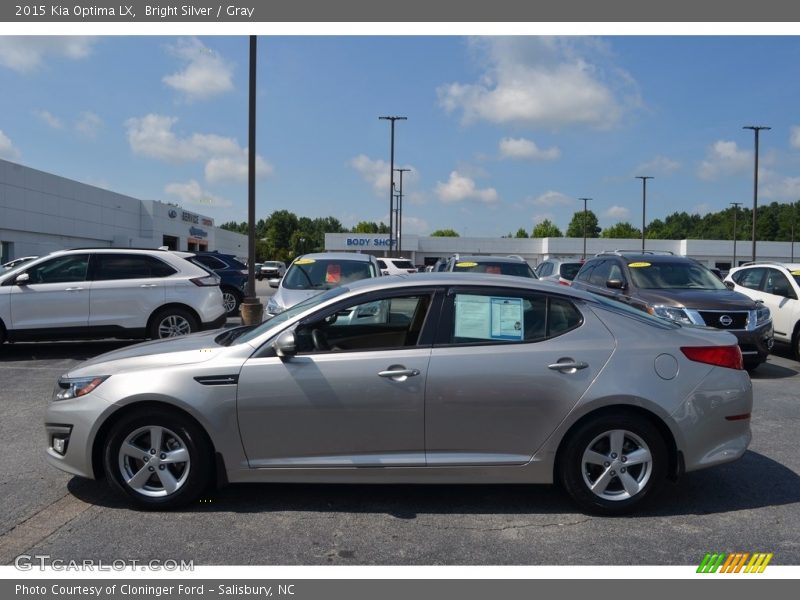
{"x":683,"y":290}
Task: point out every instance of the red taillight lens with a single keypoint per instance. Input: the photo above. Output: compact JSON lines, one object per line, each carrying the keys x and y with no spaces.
{"x":563,"y":282}
{"x":720,"y":356}
{"x":211,"y":280}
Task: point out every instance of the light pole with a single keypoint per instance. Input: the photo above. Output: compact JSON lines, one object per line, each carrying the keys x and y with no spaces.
{"x":585,"y":200}
{"x":756,"y":129}
{"x":735,"y":206}
{"x":391,"y":178}
{"x":794,"y":218}
{"x":644,"y":179}
{"x":400,"y":213}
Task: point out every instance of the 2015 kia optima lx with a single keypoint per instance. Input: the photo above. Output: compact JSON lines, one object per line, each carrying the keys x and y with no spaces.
{"x":429,"y":378}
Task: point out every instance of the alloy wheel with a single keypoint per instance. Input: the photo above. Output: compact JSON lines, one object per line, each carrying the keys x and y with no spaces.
{"x":154,"y":461}
{"x":616,"y":465}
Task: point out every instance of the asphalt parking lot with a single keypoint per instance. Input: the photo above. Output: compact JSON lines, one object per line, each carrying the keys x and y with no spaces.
{"x":751,"y":505}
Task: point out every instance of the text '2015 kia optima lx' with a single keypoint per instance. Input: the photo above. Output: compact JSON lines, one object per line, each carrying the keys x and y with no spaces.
{"x":434,"y":378}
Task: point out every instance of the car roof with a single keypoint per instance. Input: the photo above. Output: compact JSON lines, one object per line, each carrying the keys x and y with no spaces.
{"x":644,"y":257}
{"x":338,"y":256}
{"x":486,"y":258}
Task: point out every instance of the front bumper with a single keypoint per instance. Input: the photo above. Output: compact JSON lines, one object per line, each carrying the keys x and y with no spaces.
{"x":755,"y":344}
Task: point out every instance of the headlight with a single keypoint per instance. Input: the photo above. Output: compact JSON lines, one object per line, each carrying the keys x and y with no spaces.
{"x":762,"y":315}
{"x":668,"y":312}
{"x":75,"y":387}
{"x":273,"y":307}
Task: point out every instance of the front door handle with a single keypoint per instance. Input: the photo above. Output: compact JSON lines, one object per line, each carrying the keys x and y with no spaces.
{"x":398,"y":373}
{"x":149,"y":285}
{"x":568,"y":366}
{"x":74,"y":289}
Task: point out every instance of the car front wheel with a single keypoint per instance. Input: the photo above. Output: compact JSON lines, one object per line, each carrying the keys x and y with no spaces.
{"x":159,"y":460}
{"x":611,"y":464}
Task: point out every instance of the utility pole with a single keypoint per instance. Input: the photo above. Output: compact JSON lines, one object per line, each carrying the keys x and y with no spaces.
{"x":735,"y":206}
{"x":756,"y":129}
{"x":585,"y":200}
{"x":400,"y":213}
{"x":644,"y":179}
{"x":391,"y":180}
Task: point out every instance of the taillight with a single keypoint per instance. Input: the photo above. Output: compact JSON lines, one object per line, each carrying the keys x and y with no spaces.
{"x":729,"y":357}
{"x":563,"y":282}
{"x":202,"y":281}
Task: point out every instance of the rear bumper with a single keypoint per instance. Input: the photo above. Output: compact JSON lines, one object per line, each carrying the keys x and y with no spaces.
{"x":215,"y":324}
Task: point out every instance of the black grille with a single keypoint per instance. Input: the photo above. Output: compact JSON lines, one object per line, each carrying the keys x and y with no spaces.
{"x":734,"y":320}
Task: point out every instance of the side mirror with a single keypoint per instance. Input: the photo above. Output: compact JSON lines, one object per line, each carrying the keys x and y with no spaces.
{"x":729,"y":284}
{"x":615,"y":284}
{"x":22,"y":279}
{"x":286,"y":345}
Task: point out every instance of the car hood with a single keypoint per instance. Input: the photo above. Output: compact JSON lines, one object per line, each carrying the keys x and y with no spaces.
{"x":699,"y":299}
{"x":195,"y":348}
{"x":288,"y":298}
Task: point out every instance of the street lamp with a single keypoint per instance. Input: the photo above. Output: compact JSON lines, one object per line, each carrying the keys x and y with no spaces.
{"x":400,"y":212}
{"x":794,"y":218}
{"x":644,"y":179}
{"x":756,"y":129}
{"x":391,"y":178}
{"x":735,"y":206}
{"x":585,"y":200}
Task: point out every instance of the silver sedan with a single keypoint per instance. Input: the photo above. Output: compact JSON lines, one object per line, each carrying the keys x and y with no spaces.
{"x":429,"y":378}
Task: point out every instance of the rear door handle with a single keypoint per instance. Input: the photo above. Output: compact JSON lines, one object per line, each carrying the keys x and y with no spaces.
{"x":149,"y":285}
{"x":74,"y":289}
{"x":568,"y":366}
{"x":399,"y":373}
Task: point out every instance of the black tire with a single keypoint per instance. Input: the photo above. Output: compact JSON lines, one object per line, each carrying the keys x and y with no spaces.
{"x":178,"y":434}
{"x":751,"y":365}
{"x":593,"y":441}
{"x":234,"y":298}
{"x":795,"y":342}
{"x":172,"y":322}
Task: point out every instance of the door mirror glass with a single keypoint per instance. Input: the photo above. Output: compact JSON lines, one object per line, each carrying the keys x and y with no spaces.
{"x":730,"y":285}
{"x":286,"y":345}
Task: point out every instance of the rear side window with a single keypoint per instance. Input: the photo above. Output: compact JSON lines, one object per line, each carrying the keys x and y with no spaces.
{"x":749,"y":278}
{"x":479,"y":318}
{"x":211,"y":262}
{"x":569,"y":270}
{"x":129,"y":266}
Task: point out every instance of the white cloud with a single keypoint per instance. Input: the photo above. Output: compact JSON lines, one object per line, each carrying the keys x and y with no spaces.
{"x":778,"y":187}
{"x":538,"y":218}
{"x":552,"y":198}
{"x":415,"y":225}
{"x":521,"y":148}
{"x":376,"y":173}
{"x":542,"y":81}
{"x":88,"y":124}
{"x":794,"y":136}
{"x":225,"y":160}
{"x":724,"y":158}
{"x":701,"y":209}
{"x":205,"y":75}
{"x":49,"y":119}
{"x":660,"y":165}
{"x":618,"y":212}
{"x":192,"y":193}
{"x":7,"y":149}
{"x":27,"y":53}
{"x":459,"y":188}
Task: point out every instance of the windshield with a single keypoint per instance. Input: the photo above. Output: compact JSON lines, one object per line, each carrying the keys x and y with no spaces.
{"x":673,"y":276}
{"x":621,"y":307}
{"x":281,"y":317}
{"x":324,"y":273}
{"x":495,"y":267}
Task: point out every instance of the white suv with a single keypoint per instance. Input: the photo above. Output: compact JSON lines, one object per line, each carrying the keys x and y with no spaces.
{"x":108,"y":292}
{"x":777,"y":285}
{"x":396,"y":266}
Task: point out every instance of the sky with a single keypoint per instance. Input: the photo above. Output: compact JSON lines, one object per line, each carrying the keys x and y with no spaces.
{"x":501,"y":132}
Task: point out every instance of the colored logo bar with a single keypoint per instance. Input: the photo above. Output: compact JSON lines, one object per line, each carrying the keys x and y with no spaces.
{"x":737,"y":562}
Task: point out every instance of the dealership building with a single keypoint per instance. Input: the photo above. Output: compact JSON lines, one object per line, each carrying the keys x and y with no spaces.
{"x":41,"y":212}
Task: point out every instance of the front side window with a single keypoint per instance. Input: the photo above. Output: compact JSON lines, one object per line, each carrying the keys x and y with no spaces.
{"x":378,"y":324}
{"x":778,"y":285}
{"x":323,"y":274}
{"x":63,"y":269}
{"x":508,"y":318}
{"x":749,"y":278}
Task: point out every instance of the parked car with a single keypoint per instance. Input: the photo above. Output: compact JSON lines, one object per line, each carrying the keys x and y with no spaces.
{"x":108,"y":292}
{"x":271,"y":269}
{"x":495,"y":265}
{"x":311,"y":274}
{"x":777,"y":285}
{"x":558,"y":270}
{"x":396,"y":266}
{"x":13,"y":264}
{"x":233,"y":277}
{"x":683,"y":290}
{"x":465,"y":379}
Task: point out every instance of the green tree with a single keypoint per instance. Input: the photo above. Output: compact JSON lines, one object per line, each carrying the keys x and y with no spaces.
{"x":521,"y":233}
{"x":575,"y":227}
{"x":370,"y":227}
{"x":546,"y":229}
{"x":234,"y":226}
{"x":445,"y":233}
{"x":622,"y":230}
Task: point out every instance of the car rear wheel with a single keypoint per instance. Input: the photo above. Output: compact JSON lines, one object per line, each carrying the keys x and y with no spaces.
{"x":160,"y":460}
{"x":613,"y":463}
{"x":172,"y":322}
{"x":231,"y":299}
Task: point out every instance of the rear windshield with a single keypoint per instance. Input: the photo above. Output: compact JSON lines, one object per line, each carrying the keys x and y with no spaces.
{"x":497,"y":268}
{"x":324,"y":274}
{"x":403,"y":264}
{"x":569,"y":270}
{"x":673,"y":276}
